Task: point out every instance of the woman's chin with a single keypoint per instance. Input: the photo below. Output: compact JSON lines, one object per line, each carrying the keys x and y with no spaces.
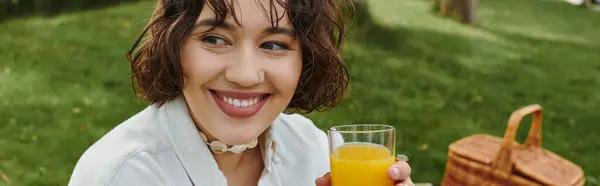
{"x":236,"y":131}
{"x":237,"y":138}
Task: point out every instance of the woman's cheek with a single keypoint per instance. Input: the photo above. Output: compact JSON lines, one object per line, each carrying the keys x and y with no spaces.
{"x":285,"y":74}
{"x":201,"y":65}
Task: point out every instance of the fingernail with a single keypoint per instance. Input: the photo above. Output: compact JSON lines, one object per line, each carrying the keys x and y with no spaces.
{"x":402,"y":157}
{"x":395,"y":173}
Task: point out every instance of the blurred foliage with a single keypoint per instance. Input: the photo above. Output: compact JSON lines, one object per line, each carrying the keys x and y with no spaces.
{"x":18,"y":8}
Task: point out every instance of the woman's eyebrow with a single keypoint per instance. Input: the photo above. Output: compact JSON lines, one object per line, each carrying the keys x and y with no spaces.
{"x":211,"y":22}
{"x":281,"y":30}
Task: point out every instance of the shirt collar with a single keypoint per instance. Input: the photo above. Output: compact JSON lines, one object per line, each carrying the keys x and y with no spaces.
{"x":267,"y":148}
{"x":191,"y":150}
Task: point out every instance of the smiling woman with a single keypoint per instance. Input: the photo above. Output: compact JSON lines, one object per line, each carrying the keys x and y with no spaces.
{"x":219,"y":74}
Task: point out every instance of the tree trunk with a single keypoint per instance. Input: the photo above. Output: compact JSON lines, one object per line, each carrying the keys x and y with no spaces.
{"x":464,"y":10}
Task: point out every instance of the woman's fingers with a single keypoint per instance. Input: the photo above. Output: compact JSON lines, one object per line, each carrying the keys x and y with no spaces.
{"x":325,"y":180}
{"x":407,"y":182}
{"x":399,"y":171}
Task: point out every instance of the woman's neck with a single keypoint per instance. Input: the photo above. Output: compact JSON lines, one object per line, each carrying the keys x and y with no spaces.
{"x":229,"y":162}
{"x":241,"y":169}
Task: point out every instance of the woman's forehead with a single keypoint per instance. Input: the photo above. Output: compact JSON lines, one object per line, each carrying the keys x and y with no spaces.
{"x":247,"y":13}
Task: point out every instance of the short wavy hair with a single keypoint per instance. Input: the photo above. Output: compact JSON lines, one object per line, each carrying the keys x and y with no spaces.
{"x":157,"y":74}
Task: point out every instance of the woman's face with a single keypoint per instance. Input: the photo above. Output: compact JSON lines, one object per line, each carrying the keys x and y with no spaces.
{"x":239,"y":77}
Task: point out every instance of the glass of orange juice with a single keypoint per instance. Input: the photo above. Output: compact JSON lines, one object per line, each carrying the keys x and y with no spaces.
{"x":361,"y":154}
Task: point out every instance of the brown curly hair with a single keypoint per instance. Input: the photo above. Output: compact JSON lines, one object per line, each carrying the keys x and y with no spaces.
{"x":157,"y":74}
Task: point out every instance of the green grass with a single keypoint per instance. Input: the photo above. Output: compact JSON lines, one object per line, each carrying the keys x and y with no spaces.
{"x":64,"y":81}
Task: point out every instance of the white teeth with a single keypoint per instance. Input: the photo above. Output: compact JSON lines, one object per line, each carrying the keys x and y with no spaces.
{"x":241,"y":102}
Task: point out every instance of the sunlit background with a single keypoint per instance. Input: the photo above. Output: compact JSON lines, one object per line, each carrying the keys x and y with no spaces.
{"x":64,"y":80}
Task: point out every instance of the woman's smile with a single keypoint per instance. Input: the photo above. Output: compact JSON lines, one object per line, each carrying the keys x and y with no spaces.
{"x":239,"y":104}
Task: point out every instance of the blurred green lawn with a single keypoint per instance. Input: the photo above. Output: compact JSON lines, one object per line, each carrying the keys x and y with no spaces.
{"x":64,"y":81}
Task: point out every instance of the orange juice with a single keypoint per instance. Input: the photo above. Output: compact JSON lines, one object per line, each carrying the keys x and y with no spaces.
{"x":361,"y":164}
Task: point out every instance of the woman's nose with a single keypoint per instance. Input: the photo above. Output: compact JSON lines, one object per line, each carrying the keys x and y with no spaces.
{"x":246,"y":70}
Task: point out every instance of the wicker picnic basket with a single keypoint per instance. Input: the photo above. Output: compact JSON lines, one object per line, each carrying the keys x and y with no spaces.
{"x":485,"y":160}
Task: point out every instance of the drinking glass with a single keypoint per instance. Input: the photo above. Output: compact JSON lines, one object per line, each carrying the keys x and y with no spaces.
{"x":361,"y":154}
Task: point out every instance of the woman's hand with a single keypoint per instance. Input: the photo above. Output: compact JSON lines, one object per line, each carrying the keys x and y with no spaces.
{"x":399,"y":172}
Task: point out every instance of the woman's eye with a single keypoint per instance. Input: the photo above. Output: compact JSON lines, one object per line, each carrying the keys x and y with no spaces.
{"x":214,"y":40}
{"x":274,"y":46}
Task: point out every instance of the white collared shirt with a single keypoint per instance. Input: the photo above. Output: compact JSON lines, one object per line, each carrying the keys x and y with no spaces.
{"x":161,"y":146}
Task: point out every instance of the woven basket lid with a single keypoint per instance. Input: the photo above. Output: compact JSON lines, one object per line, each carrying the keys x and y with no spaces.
{"x":535,"y":164}
{"x":480,"y":148}
{"x":546,"y":167}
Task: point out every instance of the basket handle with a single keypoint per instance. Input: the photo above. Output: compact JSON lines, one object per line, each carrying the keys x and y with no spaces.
{"x":504,"y":158}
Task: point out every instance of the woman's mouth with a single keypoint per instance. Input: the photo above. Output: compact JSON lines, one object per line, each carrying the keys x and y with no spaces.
{"x":239,"y":104}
